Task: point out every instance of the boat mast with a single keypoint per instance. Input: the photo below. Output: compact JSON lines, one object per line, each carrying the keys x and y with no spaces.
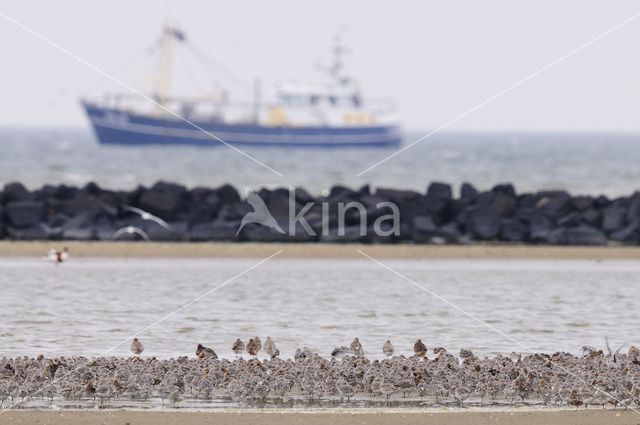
{"x":163,"y":86}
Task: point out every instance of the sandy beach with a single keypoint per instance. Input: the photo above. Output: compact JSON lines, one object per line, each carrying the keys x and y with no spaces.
{"x":337,"y":417}
{"x":315,"y":250}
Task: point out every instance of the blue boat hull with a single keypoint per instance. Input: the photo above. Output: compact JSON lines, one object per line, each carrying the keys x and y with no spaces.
{"x":114,"y":126}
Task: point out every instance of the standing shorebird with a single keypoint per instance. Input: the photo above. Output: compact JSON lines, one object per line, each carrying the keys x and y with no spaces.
{"x":238,"y":347}
{"x":356,"y":348}
{"x":252,"y":347}
{"x":270,"y":348}
{"x":57,"y":256}
{"x":203,"y":351}
{"x":258,"y":343}
{"x":136,"y":347}
{"x":388,"y":349}
{"x":419,"y":348}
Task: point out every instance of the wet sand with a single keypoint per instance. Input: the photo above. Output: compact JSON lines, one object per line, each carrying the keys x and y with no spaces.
{"x":314,"y":250}
{"x":371,"y":417}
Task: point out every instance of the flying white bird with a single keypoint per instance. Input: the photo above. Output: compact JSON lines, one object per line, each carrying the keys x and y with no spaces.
{"x":131,"y":230}
{"x":147,"y":215}
{"x":260,"y":214}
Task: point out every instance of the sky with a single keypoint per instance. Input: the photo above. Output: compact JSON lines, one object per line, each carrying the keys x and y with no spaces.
{"x":436,"y":59}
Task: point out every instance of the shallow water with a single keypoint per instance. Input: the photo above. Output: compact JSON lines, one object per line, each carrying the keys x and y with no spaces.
{"x":86,"y":306}
{"x":580,"y":163}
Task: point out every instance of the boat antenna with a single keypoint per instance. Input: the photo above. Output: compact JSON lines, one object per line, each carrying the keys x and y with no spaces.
{"x":339,"y":50}
{"x":163,"y":87}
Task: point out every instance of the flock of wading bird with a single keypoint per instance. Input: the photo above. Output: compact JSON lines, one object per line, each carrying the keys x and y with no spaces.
{"x":593,"y":378}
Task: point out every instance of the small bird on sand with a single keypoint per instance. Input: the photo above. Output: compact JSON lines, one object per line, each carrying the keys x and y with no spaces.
{"x":356,"y":348}
{"x":340,"y":351}
{"x":238,"y":347}
{"x":465,"y":354}
{"x":203,"y":351}
{"x":387,"y":348}
{"x":270,"y":348}
{"x":419,"y":348}
{"x":136,"y":347}
{"x":258,"y":342}
{"x":57,"y":256}
{"x":252,"y":347}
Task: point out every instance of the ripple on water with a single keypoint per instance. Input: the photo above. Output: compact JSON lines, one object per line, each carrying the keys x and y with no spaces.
{"x":577,"y":324}
{"x":186,"y":330}
{"x":531,"y":331}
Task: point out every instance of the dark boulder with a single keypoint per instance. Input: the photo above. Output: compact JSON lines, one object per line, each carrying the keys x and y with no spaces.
{"x":16,"y":192}
{"x":79,"y":228}
{"x":79,"y":233}
{"x":218,"y":230}
{"x":438,"y":189}
{"x":503,"y":203}
{"x":423,"y":228}
{"x":468,"y":192}
{"x":506,"y":188}
{"x":601,"y":202}
{"x":40,"y":231}
{"x":341,"y":192}
{"x":513,"y":230}
{"x":585,"y":235}
{"x":177,"y":231}
{"x":395,"y":195}
{"x":161,"y":204}
{"x":582,"y":203}
{"x":253,"y":232}
{"x":628,"y":233}
{"x":64,"y":192}
{"x":613,"y":218}
{"x":592,"y":217}
{"x":572,"y":219}
{"x":484,"y":224}
{"x":25,"y":213}
{"x":539,"y":227}
{"x":201,"y":212}
{"x":554,"y":204}
{"x":235,"y":211}
{"x":104,"y":230}
{"x":557,"y":236}
{"x":92,"y":188}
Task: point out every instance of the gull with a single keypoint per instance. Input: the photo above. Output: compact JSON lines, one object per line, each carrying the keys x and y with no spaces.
{"x":238,"y":347}
{"x":147,"y":216}
{"x":259,"y":215}
{"x":136,"y":347}
{"x":419,"y":348}
{"x":58,"y":256}
{"x":131,"y":230}
{"x":388,"y":349}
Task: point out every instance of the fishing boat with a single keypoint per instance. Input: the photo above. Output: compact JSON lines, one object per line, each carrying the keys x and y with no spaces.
{"x":328,"y":112}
